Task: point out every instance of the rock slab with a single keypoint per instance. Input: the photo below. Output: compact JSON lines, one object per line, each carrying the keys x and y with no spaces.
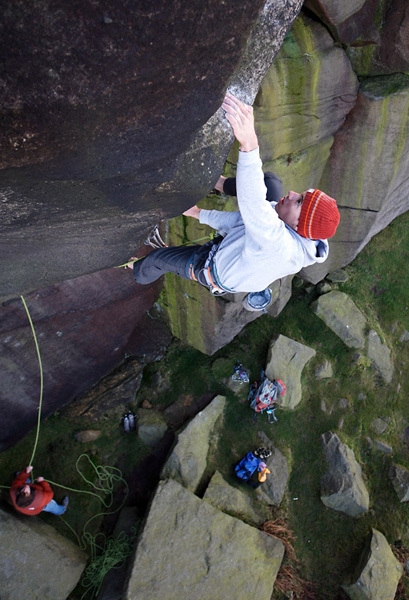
{"x":234,"y":502}
{"x":286,"y":360}
{"x":188,"y":549}
{"x":35,"y":559}
{"x":380,"y":356}
{"x":399,"y":477}
{"x":379,"y":574}
{"x":273,"y":489}
{"x":151,"y":426}
{"x":340,"y":314}
{"x":188,"y":460}
{"x":342,"y":486}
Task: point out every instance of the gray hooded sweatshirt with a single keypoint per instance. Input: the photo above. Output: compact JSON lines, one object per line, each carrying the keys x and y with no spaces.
{"x":258,"y":247}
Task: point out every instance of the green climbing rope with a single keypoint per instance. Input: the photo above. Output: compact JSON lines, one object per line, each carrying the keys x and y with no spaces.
{"x":106,"y":476}
{"x":114,"y":553}
{"x":40,"y":405}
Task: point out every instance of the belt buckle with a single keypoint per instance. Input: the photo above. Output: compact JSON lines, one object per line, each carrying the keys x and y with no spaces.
{"x":214,"y":288}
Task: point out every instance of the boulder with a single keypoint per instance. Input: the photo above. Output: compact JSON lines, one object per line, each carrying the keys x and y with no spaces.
{"x":383,"y":47}
{"x":399,"y":477}
{"x":405,"y":438}
{"x":326,"y":409}
{"x":340,"y":314}
{"x":342,"y":486}
{"x":333,"y":11}
{"x":382,"y":447}
{"x":188,"y":549}
{"x":234,"y":502}
{"x":380,"y":356}
{"x":188,"y":460}
{"x":273,"y":489}
{"x":151,"y":426}
{"x":378,"y":571}
{"x":323,"y":287}
{"x":347,"y":21}
{"x":362,"y":163}
{"x":36,"y":561}
{"x":179,"y":413}
{"x":286,"y":360}
{"x":343,"y":403}
{"x":380,"y":425}
{"x":301,"y":104}
{"x":201,"y":320}
{"x":404,"y":337}
{"x":338,"y":276}
{"x":87,"y":435}
{"x":324,"y":370}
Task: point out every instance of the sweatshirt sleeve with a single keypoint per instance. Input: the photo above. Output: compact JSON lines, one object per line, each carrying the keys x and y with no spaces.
{"x":47,"y":491}
{"x":219,"y":220}
{"x":46,"y":487}
{"x":260,"y":218}
{"x":20,"y":479}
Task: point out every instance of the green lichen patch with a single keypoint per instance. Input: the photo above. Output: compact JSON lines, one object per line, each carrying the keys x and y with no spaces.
{"x":384,"y":85}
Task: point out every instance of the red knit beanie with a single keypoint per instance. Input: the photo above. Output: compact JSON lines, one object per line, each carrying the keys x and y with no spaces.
{"x":319,"y":217}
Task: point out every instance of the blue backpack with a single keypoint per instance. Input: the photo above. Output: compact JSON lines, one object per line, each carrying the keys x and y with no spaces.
{"x":246,"y":467}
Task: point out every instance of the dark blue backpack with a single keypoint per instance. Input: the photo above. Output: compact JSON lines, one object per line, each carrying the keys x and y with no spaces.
{"x":246,"y":467}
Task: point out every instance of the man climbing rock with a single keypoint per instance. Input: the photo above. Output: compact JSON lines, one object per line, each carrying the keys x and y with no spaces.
{"x":263,"y":241}
{"x":31,"y":498}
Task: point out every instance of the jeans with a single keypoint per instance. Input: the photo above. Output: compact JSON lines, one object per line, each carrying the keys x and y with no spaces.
{"x":54,"y":508}
{"x":164,"y":260}
{"x":182,"y":260}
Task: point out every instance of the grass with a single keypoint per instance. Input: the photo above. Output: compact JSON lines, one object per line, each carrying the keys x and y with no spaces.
{"x":326,"y":544}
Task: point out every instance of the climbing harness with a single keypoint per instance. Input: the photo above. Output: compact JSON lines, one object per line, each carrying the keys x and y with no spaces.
{"x":210,"y":273}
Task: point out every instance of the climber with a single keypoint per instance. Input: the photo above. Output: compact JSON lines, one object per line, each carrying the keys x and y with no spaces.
{"x":32,"y":498}
{"x":259,"y":244}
